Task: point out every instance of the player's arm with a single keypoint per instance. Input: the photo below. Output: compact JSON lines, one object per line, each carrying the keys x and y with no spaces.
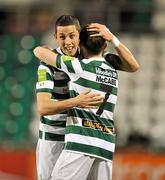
{"x":48,"y":106}
{"x":127,"y":61}
{"x":46,"y":55}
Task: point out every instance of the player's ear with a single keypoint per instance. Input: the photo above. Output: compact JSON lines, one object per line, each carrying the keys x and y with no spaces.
{"x":105,"y":45}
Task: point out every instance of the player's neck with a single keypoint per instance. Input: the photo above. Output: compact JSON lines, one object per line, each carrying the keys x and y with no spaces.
{"x":88,"y":55}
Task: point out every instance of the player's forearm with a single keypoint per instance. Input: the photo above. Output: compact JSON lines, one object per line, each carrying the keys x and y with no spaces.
{"x":45,"y":55}
{"x":50,"y":107}
{"x":86,"y":99}
{"x":128,"y":62}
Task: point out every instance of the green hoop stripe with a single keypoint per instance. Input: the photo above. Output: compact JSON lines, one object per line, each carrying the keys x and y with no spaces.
{"x":69,"y":66}
{"x":44,"y":90}
{"x":73,"y":93}
{"x":50,"y":136}
{"x":52,"y":122}
{"x":109,"y":107}
{"x":58,"y":61}
{"x":89,"y":150}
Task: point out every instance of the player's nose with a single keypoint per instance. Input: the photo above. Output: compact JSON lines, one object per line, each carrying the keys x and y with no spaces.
{"x":68,"y":40}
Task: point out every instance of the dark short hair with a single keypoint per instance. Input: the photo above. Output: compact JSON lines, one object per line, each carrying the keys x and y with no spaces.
{"x":93,"y":45}
{"x":66,"y":20}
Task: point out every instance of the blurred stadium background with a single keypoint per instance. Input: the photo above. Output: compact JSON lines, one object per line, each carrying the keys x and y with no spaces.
{"x":140,"y":111}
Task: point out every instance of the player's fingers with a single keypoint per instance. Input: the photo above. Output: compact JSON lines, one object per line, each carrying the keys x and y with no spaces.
{"x":91,"y":107}
{"x":94,"y":94}
{"x":98,"y":98}
{"x":93,"y":29}
{"x":98,"y":102}
{"x":86,"y":91}
{"x":95,"y":35}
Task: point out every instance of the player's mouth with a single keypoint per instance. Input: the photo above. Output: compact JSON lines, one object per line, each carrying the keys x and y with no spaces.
{"x":69,"y":49}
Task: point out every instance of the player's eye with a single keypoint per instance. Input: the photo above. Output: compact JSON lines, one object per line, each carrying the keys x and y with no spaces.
{"x":62,"y":37}
{"x":72,"y":36}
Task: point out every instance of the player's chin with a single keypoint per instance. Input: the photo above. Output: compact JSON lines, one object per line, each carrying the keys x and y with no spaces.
{"x":71,"y":53}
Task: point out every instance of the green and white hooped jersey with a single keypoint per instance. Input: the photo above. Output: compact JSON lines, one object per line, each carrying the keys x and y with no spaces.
{"x":91,"y":131}
{"x":54,"y":81}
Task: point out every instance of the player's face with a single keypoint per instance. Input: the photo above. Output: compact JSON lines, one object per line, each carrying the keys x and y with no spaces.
{"x":67,"y":38}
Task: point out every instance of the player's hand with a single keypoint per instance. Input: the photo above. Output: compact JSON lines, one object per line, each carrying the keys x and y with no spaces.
{"x":101,"y":30}
{"x":88,"y":99}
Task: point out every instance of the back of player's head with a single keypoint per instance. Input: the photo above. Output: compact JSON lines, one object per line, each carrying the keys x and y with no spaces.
{"x":94,"y":45}
{"x":67,"y":20}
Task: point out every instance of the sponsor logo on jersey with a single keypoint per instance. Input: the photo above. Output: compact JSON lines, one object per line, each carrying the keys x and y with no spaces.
{"x":96,"y":125}
{"x":106,"y":80}
{"x":107,"y":73}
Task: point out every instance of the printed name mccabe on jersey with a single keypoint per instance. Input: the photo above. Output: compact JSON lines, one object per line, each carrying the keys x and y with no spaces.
{"x":106,"y":76}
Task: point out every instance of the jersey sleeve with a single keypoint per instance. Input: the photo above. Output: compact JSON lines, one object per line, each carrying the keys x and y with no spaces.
{"x":69,"y":65}
{"x":45,"y":81}
{"x":113,"y":59}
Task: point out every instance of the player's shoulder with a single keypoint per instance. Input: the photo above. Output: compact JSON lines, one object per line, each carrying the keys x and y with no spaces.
{"x":112,"y":59}
{"x":46,"y":68}
{"x":56,"y":51}
{"x":109,"y":54}
{"x":43,"y":65}
{"x":65,"y":58}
